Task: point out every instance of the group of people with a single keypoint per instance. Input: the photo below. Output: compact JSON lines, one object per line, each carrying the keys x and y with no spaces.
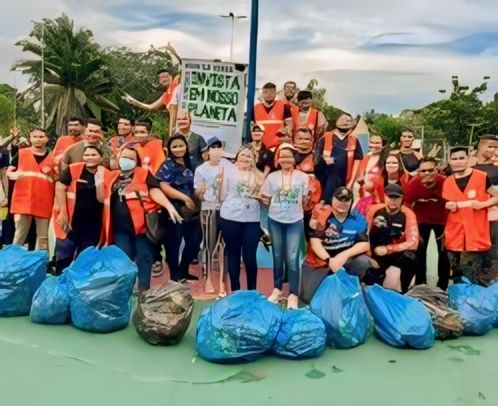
{"x":299,"y":179}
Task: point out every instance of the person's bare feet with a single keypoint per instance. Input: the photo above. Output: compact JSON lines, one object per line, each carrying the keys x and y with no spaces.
{"x":275,"y":296}
{"x":292,"y":302}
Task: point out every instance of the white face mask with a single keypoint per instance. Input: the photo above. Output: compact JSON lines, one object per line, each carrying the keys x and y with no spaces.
{"x":127,"y":164}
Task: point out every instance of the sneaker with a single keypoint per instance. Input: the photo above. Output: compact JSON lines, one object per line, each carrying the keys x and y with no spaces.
{"x":157,"y":269}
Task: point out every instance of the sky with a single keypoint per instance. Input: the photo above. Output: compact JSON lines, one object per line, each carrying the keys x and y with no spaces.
{"x":386,"y":55}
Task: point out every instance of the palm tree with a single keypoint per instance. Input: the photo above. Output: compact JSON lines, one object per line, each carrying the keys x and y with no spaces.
{"x":77,"y":82}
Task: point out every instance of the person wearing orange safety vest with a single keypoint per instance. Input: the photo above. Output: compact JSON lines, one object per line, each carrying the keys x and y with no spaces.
{"x":273,"y":114}
{"x":75,"y":128}
{"x":78,"y":224}
{"x":467,"y":231}
{"x":150,"y":150}
{"x":169,"y":83}
{"x":33,"y":195}
{"x":303,"y":141}
{"x":337,"y":157}
{"x":125,"y":134}
{"x":128,"y":195}
{"x":305,"y":116}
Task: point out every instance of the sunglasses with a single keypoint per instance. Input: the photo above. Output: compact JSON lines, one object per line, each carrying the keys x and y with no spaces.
{"x":394,"y":196}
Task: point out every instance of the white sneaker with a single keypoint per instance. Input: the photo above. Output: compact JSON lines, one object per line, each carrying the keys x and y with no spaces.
{"x":275,"y":296}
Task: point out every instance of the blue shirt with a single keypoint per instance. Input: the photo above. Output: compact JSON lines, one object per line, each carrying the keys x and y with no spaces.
{"x":338,"y":237}
{"x":178,"y":176}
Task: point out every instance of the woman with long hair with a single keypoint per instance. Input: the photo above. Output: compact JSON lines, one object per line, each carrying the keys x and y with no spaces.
{"x":240,"y":217}
{"x":176,"y":180}
{"x":286,"y":192}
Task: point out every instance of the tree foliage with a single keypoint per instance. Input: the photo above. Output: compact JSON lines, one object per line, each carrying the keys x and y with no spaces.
{"x":77,"y":81}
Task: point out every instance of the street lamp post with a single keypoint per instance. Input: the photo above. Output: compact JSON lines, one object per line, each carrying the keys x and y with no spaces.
{"x":232,"y":16}
{"x":42,"y":107}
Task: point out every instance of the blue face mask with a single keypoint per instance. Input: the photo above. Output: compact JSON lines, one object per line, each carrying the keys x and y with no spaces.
{"x":127,"y":164}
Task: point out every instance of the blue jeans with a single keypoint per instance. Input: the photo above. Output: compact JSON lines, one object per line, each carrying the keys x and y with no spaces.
{"x":286,"y":239}
{"x":140,"y":250}
{"x":67,"y":250}
{"x":241,"y":238}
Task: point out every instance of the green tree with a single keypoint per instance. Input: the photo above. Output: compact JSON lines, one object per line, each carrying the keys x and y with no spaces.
{"x":330,"y":112}
{"x":77,"y":82}
{"x":457,"y":115}
{"x":14,"y":111}
{"x":135,"y":73}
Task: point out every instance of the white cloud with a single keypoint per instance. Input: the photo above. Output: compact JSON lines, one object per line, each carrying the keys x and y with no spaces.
{"x":320,"y":39}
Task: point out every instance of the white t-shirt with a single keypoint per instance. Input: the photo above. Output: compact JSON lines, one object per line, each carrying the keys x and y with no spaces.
{"x":286,"y":205}
{"x":212,"y":178}
{"x":238,"y":205}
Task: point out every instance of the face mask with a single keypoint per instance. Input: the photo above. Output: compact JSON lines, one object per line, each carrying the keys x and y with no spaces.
{"x":343,"y":130}
{"x":127,"y":164}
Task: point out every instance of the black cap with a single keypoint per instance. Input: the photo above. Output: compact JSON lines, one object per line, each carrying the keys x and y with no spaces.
{"x":214,"y":141}
{"x":343,"y":194}
{"x":393,"y":190}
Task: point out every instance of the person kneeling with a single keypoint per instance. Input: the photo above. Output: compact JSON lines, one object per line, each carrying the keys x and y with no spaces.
{"x":338,"y":240}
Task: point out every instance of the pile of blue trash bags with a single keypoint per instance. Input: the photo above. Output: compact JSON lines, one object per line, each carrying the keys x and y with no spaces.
{"x":246,"y":326}
{"x":94,"y":293}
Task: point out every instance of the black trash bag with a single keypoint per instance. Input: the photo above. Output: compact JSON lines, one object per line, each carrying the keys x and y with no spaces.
{"x":163,"y":313}
{"x":445,"y":320}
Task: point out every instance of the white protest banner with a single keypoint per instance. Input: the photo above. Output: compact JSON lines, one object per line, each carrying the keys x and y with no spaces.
{"x":214,"y":93}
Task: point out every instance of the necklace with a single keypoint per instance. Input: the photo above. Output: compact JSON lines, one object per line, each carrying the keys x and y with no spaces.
{"x":287,"y":185}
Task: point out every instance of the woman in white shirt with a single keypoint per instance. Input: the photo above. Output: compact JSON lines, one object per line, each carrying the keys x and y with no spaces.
{"x":285,"y":191}
{"x":240,"y":217}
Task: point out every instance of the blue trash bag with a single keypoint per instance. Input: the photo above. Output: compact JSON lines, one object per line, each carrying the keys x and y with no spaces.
{"x":301,"y":335}
{"x":51,"y":302}
{"x":493,"y":290}
{"x":238,"y":328}
{"x":21,"y":274}
{"x":100,"y":285}
{"x":340,"y":304}
{"x":476,"y":307}
{"x":400,"y":321}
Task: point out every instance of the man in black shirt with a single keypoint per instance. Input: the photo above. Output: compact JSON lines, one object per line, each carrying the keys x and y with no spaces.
{"x":336,"y":165}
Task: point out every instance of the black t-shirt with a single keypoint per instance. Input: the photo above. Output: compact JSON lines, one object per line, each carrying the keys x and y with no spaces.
{"x":491,"y":170}
{"x":87,"y":218}
{"x":386,"y":228}
{"x":265,"y":158}
{"x":121,"y":216}
{"x":463,"y":182}
{"x":333,"y":176}
{"x":410,"y":161}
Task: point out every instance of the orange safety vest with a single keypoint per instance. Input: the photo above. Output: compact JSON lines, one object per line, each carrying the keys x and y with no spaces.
{"x":76,"y":170}
{"x":328,"y":146}
{"x":467,"y":229}
{"x":272,"y":121}
{"x":137,"y":199}
{"x":62,"y":144}
{"x":116,"y":142}
{"x":310,"y":120}
{"x":34,"y":191}
{"x":308,"y":166}
{"x":168,"y":94}
{"x":312,"y":259}
{"x":151,"y":155}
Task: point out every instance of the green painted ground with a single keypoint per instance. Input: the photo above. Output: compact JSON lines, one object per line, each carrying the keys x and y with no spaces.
{"x":61,"y":366}
{"x":46,"y":365}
